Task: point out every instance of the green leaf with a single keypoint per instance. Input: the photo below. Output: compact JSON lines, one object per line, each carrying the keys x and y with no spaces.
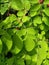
{"x":45,"y":20}
{"x":32,"y":13}
{"x":4,"y":1}
{"x":34,"y":58}
{"x":48,"y":52}
{"x":0,"y":46}
{"x":35,"y":7}
{"x":20,"y":13}
{"x":46,"y":62}
{"x":48,"y":55}
{"x":41,"y":27}
{"x":46,"y":11}
{"x":21,"y":33}
{"x":28,"y":59}
{"x":2,"y":60}
{"x":46,"y":1}
{"x":2,"y":32}
{"x":4,"y":8}
{"x":6,"y":38}
{"x":25,"y":18}
{"x":10,"y":61}
{"x":34,"y":1}
{"x":37,"y":20}
{"x":16,"y":4}
{"x":31,"y":31}
{"x":26,"y":4}
{"x":43,"y":47}
{"x":19,"y":62}
{"x":10,"y":19}
{"x":7,"y":23}
{"x":11,"y":31}
{"x":29,"y":43}
{"x":17,"y":44}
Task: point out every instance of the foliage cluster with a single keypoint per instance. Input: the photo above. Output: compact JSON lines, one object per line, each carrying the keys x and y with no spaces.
{"x":24,"y":32}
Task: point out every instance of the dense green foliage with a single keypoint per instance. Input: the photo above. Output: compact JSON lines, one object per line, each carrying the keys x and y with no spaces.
{"x":24,"y":32}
